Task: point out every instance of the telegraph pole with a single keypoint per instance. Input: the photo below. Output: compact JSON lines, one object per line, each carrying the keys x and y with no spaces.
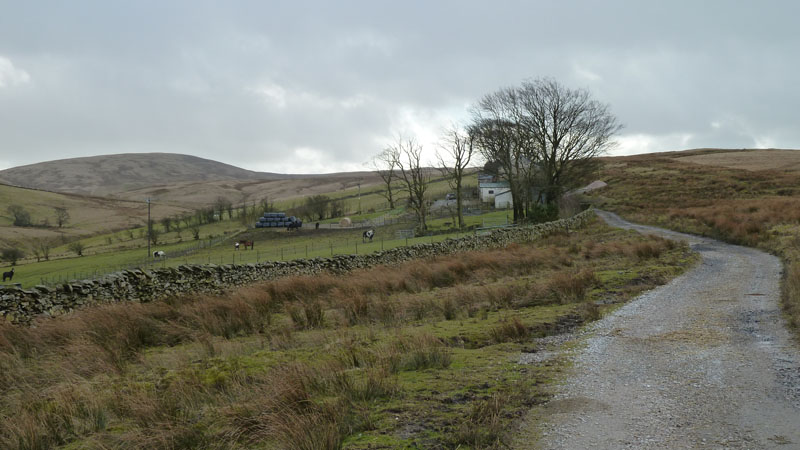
{"x":149,"y":225}
{"x":359,"y":198}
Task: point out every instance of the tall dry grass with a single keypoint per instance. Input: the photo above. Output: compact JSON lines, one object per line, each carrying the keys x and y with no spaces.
{"x":62,"y":379}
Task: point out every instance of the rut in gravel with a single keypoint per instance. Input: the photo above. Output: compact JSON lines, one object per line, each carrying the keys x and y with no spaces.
{"x":704,"y":361}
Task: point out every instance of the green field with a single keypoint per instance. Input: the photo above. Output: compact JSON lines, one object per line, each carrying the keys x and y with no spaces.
{"x":125,"y":249}
{"x":269,"y":245}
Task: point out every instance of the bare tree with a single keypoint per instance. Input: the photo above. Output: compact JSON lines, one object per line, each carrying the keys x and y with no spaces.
{"x":154,"y":235}
{"x":77,"y":247}
{"x":41,"y":249}
{"x":316,"y":207}
{"x":458,"y":149}
{"x":568,"y":130}
{"x":267,"y":205}
{"x":62,"y":216}
{"x":542,"y":135}
{"x":497,"y":133}
{"x":176,"y":222}
{"x":336,"y":208}
{"x":385,"y":164}
{"x":222,"y":204}
{"x":166,"y":222}
{"x":187,"y":219}
{"x":414,"y":177}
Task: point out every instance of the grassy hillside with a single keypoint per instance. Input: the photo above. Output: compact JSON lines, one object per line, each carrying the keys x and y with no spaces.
{"x":88,"y":215}
{"x":111,"y":246}
{"x":111,"y":174}
{"x":175,"y":179}
{"x":744,"y":197}
{"x":202,"y":193}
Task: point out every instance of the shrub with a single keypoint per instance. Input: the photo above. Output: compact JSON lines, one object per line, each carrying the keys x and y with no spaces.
{"x":510,"y":331}
{"x":449,"y":308}
{"x":570,"y":287}
{"x":483,"y":426}
{"x":418,"y":353}
{"x":356,"y":308}
{"x":12,"y":255}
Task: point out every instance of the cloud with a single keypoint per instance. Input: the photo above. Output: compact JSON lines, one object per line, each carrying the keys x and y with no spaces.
{"x":631,"y":144}
{"x":271,"y":93}
{"x":10,"y":75}
{"x":322,"y":86}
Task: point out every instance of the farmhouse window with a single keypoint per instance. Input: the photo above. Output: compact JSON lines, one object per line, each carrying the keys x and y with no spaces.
{"x":491,"y":191}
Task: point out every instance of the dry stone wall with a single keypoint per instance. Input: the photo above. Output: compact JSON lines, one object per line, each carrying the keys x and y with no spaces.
{"x":22,"y":305}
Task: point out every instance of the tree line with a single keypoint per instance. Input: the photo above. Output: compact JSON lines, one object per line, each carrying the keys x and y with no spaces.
{"x":540,"y":137}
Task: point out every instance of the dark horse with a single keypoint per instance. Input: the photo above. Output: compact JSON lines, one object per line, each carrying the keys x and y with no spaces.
{"x":369,"y":234}
{"x":246,"y":244}
{"x":8,"y":275}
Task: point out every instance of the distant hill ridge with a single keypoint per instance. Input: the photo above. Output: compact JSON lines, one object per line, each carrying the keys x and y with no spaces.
{"x":112,"y":174}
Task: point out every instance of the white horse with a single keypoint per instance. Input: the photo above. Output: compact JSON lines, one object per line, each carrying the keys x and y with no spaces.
{"x":369,"y":234}
{"x":159,"y":254}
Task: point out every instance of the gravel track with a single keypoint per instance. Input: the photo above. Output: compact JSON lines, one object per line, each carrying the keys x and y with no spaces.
{"x":704,"y":361}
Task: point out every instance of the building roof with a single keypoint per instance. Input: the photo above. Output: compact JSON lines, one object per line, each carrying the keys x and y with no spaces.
{"x":498,"y":184}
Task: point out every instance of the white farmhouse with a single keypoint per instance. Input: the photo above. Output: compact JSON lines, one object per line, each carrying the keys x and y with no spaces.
{"x":488,"y":190}
{"x":503,"y":200}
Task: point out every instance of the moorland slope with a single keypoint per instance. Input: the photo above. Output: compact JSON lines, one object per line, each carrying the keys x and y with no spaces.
{"x":88,"y":215}
{"x":111,"y":174}
{"x":174,"y":179}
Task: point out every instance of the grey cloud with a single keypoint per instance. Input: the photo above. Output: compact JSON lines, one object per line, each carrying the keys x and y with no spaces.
{"x":316,"y":85}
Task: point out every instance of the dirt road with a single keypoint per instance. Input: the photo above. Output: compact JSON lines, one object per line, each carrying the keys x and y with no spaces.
{"x":702,"y":362}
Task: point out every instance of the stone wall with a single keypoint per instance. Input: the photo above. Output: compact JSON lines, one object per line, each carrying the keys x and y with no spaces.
{"x":21,"y":305}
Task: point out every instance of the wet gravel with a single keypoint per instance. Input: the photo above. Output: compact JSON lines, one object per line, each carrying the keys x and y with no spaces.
{"x":704,"y":361}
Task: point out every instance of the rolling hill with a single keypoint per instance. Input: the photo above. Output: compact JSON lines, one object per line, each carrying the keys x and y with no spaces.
{"x":112,"y":174}
{"x":181,"y":180}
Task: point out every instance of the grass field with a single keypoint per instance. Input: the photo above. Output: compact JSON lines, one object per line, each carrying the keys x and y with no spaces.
{"x":725,"y":195}
{"x":421,"y":355}
{"x":88,"y":215}
{"x":112,"y":251}
{"x":269,"y":245}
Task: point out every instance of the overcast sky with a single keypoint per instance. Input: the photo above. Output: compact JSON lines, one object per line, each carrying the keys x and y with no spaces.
{"x":312,"y":87}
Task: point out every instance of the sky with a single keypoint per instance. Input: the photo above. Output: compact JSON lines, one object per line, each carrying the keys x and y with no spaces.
{"x":321,"y":86}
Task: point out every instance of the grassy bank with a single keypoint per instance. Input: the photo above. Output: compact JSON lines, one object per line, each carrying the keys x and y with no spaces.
{"x":421,"y":355}
{"x":759,"y":208}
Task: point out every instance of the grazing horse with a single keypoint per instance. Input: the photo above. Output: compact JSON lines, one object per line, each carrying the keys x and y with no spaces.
{"x":369,"y":234}
{"x":246,"y":244}
{"x":293,"y":226}
{"x":159,"y":254}
{"x":8,"y":275}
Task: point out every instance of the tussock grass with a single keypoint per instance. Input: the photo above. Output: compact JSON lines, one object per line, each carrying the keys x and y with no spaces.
{"x":572,"y":286}
{"x":510,"y":331}
{"x":308,"y":362}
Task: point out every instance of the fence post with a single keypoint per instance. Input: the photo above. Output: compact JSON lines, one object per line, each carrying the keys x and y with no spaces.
{"x":406,"y":241}
{"x":281,"y":253}
{"x":381,"y":243}
{"x":306,"y":251}
{"x":258,"y":256}
{"x":331,"y":248}
{"x":356,"y":247}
